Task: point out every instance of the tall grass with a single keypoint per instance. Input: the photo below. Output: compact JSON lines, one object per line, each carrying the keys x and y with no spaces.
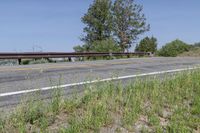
{"x":169,"y":105}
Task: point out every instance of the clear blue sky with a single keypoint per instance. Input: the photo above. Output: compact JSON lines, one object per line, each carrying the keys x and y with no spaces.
{"x":55,"y":25}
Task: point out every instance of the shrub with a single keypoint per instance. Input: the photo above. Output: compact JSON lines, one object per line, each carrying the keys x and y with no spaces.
{"x":39,"y":61}
{"x":174,"y":48}
{"x":194,"y":52}
{"x":147,"y":45}
{"x":35,"y":61}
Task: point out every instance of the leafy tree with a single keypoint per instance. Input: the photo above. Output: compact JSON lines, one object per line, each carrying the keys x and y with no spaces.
{"x":108,"y":45}
{"x":128,"y":22}
{"x":98,"y":22}
{"x":124,"y":20}
{"x":147,"y":45}
{"x":174,"y":48}
{"x":83,"y":48}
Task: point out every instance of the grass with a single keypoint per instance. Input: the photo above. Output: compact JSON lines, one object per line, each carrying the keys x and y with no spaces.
{"x":169,"y":105}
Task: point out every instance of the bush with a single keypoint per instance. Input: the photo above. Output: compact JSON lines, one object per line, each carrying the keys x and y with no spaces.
{"x":35,"y":61}
{"x":147,"y":45}
{"x":39,"y":61}
{"x":174,"y":48}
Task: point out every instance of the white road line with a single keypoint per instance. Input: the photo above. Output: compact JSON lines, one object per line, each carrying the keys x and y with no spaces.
{"x":96,"y":81}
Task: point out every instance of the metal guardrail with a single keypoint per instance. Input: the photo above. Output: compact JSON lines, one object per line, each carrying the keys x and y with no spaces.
{"x":69,"y":55}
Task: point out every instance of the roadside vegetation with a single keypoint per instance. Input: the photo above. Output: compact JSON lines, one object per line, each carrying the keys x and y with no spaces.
{"x":112,"y":26}
{"x":179,"y":48}
{"x":151,"y":105}
{"x":174,"y":48}
{"x":35,"y":61}
{"x":148,"y":44}
{"x":8,"y":62}
{"x":194,"y":52}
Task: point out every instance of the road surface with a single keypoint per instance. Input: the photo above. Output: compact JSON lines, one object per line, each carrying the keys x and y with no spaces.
{"x":19,"y":78}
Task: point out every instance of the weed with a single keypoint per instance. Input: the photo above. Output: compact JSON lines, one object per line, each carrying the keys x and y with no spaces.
{"x":2,"y":123}
{"x":70,"y":105}
{"x":154,"y":120}
{"x":151,"y":105}
{"x":56,"y":101}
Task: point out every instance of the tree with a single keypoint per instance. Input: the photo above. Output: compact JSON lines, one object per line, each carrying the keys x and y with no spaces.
{"x":147,"y":45}
{"x":174,"y":48}
{"x":128,"y":22}
{"x":98,"y":22}
{"x":108,"y":45}
{"x":79,"y":48}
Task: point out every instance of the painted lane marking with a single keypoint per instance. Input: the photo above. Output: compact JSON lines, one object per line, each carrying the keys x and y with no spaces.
{"x":96,"y":81}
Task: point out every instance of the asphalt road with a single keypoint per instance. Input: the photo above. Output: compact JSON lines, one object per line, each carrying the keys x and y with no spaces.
{"x":18,"y":78}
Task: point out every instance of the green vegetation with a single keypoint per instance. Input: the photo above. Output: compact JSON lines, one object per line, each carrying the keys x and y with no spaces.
{"x":35,"y":61}
{"x":179,"y":48}
{"x":147,"y":45}
{"x":170,"y":104}
{"x":41,"y":61}
{"x":98,"y":21}
{"x":8,"y":62}
{"x":107,"y":45}
{"x":128,"y":22}
{"x":174,"y":48}
{"x":193,"y":52}
{"x":197,"y":44}
{"x":122,"y":21}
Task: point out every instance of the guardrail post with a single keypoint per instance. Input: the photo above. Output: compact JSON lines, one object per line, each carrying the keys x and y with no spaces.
{"x":94,"y":58}
{"x":110,"y":55}
{"x":70,"y":59}
{"x":19,"y":61}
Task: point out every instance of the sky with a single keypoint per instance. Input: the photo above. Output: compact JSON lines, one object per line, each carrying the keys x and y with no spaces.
{"x":55,"y":25}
